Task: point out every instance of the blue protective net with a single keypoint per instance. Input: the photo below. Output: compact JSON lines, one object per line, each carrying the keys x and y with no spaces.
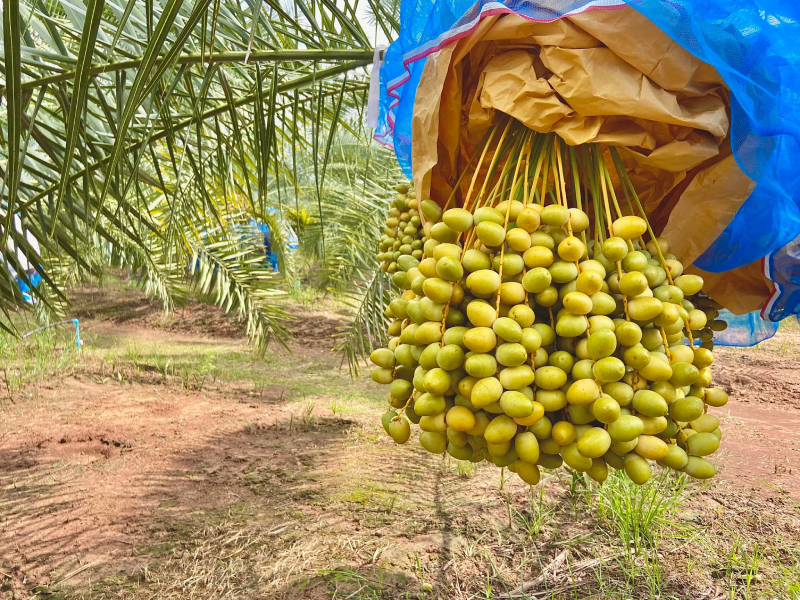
{"x":783,"y":268}
{"x":292,"y":242}
{"x":744,"y":330}
{"x":752,"y":43}
{"x":26,"y":286}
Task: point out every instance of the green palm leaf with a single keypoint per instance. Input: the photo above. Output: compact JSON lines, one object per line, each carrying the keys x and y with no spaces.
{"x":145,"y":137}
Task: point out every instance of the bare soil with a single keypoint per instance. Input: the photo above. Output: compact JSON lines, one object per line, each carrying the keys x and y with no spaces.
{"x":127,"y":306}
{"x":762,"y":418}
{"x":141,"y":483}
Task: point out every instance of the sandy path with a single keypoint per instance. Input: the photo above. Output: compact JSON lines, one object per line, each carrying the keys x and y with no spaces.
{"x":761,"y":447}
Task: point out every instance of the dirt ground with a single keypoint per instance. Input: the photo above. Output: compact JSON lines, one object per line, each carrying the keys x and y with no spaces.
{"x":169,"y":461}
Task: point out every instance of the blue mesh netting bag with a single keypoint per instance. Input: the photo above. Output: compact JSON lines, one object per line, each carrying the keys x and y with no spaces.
{"x":744,"y":330}
{"x":751,"y":43}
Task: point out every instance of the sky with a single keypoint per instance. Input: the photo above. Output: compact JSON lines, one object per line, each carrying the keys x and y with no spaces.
{"x":364,"y":19}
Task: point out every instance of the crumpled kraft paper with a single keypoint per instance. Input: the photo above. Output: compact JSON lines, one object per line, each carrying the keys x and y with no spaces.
{"x":609,"y":77}
{"x":705,"y":208}
{"x":741,"y":290}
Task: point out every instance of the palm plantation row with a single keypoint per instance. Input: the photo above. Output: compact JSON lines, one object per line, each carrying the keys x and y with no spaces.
{"x":148,"y":135}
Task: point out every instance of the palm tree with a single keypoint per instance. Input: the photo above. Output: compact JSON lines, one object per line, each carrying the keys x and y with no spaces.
{"x":148,"y":135}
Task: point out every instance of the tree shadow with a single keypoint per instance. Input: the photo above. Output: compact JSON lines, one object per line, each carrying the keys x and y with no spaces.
{"x":303,"y":507}
{"x":65,"y":502}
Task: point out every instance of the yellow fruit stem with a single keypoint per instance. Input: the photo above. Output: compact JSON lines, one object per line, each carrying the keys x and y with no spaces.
{"x":488,"y":173}
{"x":514,"y":180}
{"x":661,"y":258}
{"x":469,"y":193}
{"x":576,"y":185}
{"x":525,"y":181}
{"x":666,"y":345}
{"x":526,"y":200}
{"x":564,"y":201}
{"x":536,"y":173}
{"x":480,"y":164}
{"x":402,"y":410}
{"x":624,"y":175}
{"x":607,"y":175}
{"x":610,"y":228}
{"x":604,"y":191}
{"x":562,"y":193}
{"x":474,"y":206}
{"x":482,"y":147}
{"x":596,"y":380}
{"x":444,"y":319}
{"x":471,"y":232}
{"x":545,"y":171}
{"x":658,"y":250}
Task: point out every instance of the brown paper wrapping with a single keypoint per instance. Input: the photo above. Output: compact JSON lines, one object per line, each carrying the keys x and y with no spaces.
{"x":609,"y":77}
{"x":741,"y":290}
{"x":705,"y":208}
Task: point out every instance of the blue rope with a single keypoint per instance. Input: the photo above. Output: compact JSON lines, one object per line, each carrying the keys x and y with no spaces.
{"x":78,"y":341}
